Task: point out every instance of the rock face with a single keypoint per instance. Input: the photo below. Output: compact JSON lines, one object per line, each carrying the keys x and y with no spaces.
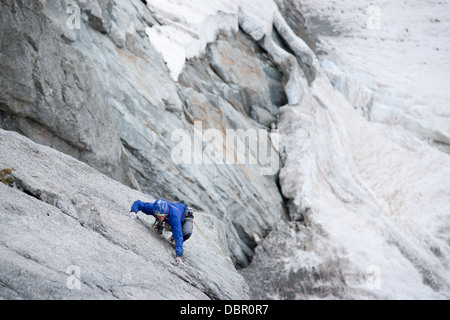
{"x":53,"y":94}
{"x":315,"y":169}
{"x":103,"y":94}
{"x":65,"y":233}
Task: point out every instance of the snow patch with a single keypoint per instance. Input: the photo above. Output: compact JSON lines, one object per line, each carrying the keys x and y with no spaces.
{"x":188,"y":26}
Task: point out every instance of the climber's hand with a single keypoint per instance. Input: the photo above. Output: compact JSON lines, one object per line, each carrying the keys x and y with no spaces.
{"x":133,"y":215}
{"x":179,"y":261}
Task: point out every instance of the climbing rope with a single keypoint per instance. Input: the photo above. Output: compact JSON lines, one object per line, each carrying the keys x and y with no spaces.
{"x":210,"y":243}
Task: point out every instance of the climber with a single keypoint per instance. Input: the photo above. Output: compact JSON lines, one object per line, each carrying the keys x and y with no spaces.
{"x":178,"y":215}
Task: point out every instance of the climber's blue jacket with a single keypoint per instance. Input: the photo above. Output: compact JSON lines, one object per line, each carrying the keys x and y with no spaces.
{"x":176,"y":215}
